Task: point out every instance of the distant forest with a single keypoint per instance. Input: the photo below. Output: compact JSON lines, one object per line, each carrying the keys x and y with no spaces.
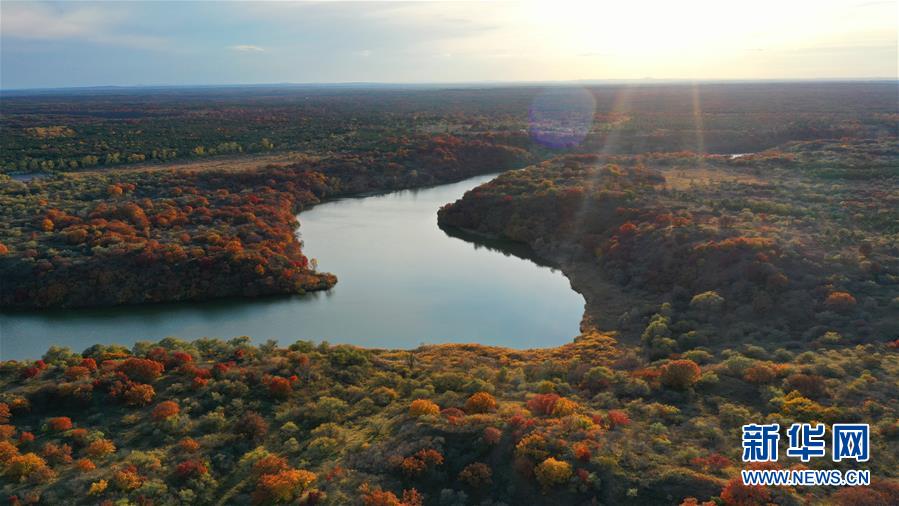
{"x":737,"y":246}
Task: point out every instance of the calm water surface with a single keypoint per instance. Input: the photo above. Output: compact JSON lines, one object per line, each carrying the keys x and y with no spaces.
{"x":401,"y":282}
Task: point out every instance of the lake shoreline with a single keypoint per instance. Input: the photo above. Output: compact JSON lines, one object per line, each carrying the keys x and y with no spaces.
{"x":336,"y":197}
{"x":586,"y":280}
{"x":533,"y":306}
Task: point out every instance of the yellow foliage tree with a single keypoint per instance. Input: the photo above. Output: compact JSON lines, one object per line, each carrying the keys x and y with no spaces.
{"x":552,"y":472}
{"x":564,"y":407}
{"x":98,"y":487}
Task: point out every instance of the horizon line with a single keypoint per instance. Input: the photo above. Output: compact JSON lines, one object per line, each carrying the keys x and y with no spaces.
{"x":492,"y":83}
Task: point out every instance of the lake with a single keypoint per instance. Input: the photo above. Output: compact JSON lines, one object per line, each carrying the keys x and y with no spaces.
{"x":402,"y":281}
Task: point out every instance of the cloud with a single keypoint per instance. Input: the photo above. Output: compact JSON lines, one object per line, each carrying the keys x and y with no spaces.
{"x":40,"y":21}
{"x":246,"y":48}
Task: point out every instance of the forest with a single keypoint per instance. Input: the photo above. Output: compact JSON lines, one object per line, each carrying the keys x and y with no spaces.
{"x":170,"y":235}
{"x":89,"y":130}
{"x":739,"y":263}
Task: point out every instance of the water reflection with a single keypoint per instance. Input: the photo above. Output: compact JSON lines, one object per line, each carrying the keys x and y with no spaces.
{"x":502,"y":246}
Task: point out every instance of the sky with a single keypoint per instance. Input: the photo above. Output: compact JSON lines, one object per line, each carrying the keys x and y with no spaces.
{"x":123,"y":43}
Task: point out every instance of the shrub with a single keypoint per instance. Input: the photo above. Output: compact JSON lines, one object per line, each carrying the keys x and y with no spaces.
{"x":100,"y":448}
{"x":420,"y":462}
{"x":378,"y":497}
{"x":282,"y":487}
{"x":7,"y":451}
{"x":270,"y":464}
{"x":760,"y":374}
{"x":141,"y":369}
{"x":329,"y":409}
{"x":188,"y":445}
{"x":384,"y":395}
{"x":707,"y":301}
{"x":532,"y":446}
{"x":476,"y":475}
{"x":251,"y":426}
{"x":552,"y":472}
{"x":840,"y":302}
{"x":598,"y":378}
{"x":542,"y":404}
{"x":7,"y":432}
{"x":617,"y":418}
{"x":564,"y":407}
{"x":808,"y":385}
{"x":481,"y":402}
{"x":76,"y":371}
{"x":422,"y":407}
{"x":28,"y":467}
{"x":59,"y":424}
{"x":279,"y":388}
{"x":492,"y":435}
{"x":127,"y":479}
{"x":680,"y":374}
{"x":165,"y":410}
{"x":138,"y":394}
{"x":98,"y":487}
{"x":85,"y":465}
{"x":582,"y":452}
{"x":191,"y":469}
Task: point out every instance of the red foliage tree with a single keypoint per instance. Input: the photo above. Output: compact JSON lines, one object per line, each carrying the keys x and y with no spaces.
{"x":492,"y":435}
{"x":542,"y":404}
{"x":191,"y":469}
{"x":89,"y":363}
{"x":141,"y":369}
{"x":279,"y":388}
{"x":582,"y":452}
{"x":59,"y":424}
{"x":270,"y":464}
{"x":165,"y":410}
{"x":617,"y":418}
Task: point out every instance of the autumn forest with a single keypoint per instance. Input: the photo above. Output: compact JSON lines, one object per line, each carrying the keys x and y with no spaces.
{"x":736,"y":246}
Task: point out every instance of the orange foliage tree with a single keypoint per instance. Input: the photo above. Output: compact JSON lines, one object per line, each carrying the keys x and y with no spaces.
{"x":100,"y":448}
{"x":282,"y":487}
{"x":421,"y":407}
{"x":59,"y":424}
{"x":481,"y":402}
